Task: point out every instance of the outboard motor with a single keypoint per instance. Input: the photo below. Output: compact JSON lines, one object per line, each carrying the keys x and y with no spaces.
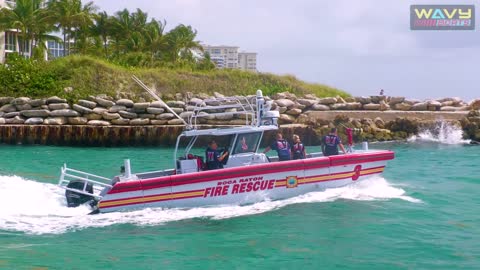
{"x":75,"y":199}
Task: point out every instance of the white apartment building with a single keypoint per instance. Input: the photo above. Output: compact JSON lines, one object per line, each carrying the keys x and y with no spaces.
{"x":247,"y":61}
{"x":223,"y":56}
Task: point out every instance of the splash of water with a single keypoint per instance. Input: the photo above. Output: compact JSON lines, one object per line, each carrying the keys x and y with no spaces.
{"x":39,"y":208}
{"x":444,"y":133}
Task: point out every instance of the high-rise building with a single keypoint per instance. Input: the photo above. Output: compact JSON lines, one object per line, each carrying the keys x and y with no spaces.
{"x":230,"y":57}
{"x":223,"y":56}
{"x":247,"y":61}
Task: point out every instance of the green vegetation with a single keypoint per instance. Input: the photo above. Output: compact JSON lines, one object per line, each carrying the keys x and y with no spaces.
{"x":104,"y":51}
{"x":89,"y":76}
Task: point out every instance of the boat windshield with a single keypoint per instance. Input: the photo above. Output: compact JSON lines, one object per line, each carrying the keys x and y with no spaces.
{"x":247,"y":143}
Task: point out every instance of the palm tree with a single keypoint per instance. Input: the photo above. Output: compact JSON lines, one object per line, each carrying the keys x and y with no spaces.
{"x":180,"y":41}
{"x":71,"y":17}
{"x":31,"y":22}
{"x":101,"y":28}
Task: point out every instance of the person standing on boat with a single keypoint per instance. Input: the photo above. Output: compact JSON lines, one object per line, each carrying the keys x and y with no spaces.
{"x":214,"y":157}
{"x":298,"y":149}
{"x":281,"y":146}
{"x":331,"y":142}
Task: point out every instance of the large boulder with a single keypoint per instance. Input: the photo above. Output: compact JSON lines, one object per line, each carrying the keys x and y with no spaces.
{"x":128,"y":115}
{"x":294,"y":111}
{"x":402,"y":106}
{"x":307,"y":102}
{"x":327,"y":101}
{"x":320,"y":107}
{"x":354,"y":106}
{"x":23,"y":107}
{"x":154,"y":110}
{"x":339,"y":106}
{"x":64,"y":113}
{"x":35,"y":113}
{"x":56,"y":99}
{"x":38,"y":102}
{"x":11,"y":115}
{"x":87,"y":103}
{"x":125,"y":102}
{"x":110,"y":116}
{"x":165,"y":116}
{"x":363,"y":100}
{"x":2,"y":121}
{"x":141,"y":107}
{"x":77,"y":120}
{"x":395,"y":100}
{"x":286,"y":119}
{"x":58,"y":106}
{"x":15,"y":120}
{"x":175,"y":121}
{"x":93,"y":116}
{"x":475,"y":104}
{"x":98,"y":123}
{"x":157,"y":104}
{"x":121,"y":121}
{"x":5,"y":100}
{"x":422,"y":106}
{"x":55,"y":121}
{"x":104,"y":102}
{"x":81,"y":109}
{"x":433,"y":105}
{"x":371,"y":107}
{"x":8,"y":108}
{"x":20,"y":101}
{"x":175,"y":103}
{"x":117,"y":108}
{"x":285,"y":103}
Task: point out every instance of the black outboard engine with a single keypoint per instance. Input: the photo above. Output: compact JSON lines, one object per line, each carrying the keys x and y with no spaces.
{"x":75,"y":199}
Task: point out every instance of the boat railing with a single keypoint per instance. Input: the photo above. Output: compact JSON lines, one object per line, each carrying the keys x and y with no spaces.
{"x":98,"y":182}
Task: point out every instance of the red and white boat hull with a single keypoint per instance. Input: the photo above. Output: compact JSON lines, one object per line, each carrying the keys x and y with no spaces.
{"x":247,"y":184}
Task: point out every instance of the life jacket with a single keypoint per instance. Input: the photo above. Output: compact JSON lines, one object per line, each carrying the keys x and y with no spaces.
{"x":298,"y":150}
{"x":283,"y":149}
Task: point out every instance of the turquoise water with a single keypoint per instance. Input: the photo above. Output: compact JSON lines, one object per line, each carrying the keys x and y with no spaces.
{"x":423,"y":213}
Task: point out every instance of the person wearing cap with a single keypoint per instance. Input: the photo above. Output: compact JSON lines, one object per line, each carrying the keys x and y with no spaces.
{"x":331,"y":142}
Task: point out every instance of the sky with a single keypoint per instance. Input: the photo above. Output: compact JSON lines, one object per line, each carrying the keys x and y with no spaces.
{"x":357,"y":46}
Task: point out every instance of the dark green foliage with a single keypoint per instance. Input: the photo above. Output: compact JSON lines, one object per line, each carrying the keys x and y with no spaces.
{"x":25,"y":77}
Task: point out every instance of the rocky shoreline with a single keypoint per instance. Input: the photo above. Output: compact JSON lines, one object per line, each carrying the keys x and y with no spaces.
{"x":102,"y":120}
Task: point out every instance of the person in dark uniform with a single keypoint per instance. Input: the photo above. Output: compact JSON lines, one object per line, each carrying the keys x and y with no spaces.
{"x":298,"y":149}
{"x":331,"y":142}
{"x":214,"y":156}
{"x":281,"y":146}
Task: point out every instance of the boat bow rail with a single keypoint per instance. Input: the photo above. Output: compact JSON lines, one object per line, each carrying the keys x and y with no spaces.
{"x":98,"y":183}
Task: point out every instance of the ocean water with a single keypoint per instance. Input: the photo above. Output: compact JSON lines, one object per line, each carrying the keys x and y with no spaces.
{"x":422,"y":213}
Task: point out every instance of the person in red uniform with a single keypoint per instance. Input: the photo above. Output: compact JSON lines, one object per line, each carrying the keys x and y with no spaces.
{"x":331,"y":142}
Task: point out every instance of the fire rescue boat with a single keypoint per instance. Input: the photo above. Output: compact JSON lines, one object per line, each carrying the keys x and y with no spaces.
{"x":248,"y":175}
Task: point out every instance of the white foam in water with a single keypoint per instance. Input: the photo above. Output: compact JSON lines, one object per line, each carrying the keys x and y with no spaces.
{"x":444,"y":133}
{"x":39,"y":208}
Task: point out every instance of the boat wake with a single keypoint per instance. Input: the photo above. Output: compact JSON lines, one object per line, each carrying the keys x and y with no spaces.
{"x":40,"y":208}
{"x":443,"y":133}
